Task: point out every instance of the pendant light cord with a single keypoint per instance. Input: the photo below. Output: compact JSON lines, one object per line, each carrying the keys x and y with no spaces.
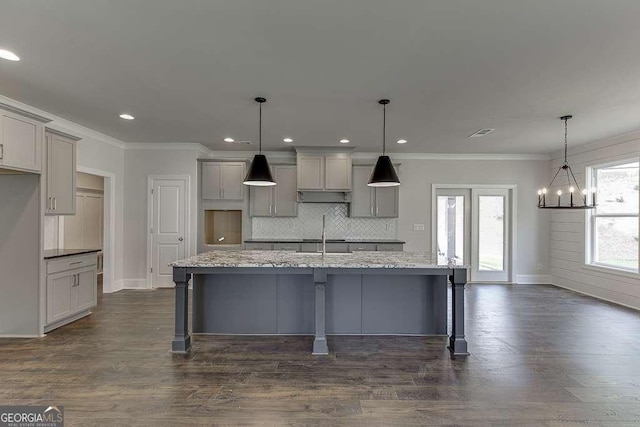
{"x":384,"y":128}
{"x":260,"y":129}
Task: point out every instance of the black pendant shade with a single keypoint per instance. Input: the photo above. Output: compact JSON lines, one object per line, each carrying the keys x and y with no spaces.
{"x":384,"y":174}
{"x":259,"y":173}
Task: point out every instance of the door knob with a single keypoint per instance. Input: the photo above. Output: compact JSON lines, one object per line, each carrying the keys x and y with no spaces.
{"x":180,"y":239}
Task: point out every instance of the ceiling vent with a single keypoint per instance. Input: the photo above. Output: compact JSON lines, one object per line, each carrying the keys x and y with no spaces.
{"x":481,"y":132}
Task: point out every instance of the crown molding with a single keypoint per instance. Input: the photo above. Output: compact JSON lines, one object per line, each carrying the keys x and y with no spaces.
{"x":453,"y":156}
{"x":23,"y":112}
{"x":65,"y":125}
{"x":194,"y":146}
{"x":61,"y":133}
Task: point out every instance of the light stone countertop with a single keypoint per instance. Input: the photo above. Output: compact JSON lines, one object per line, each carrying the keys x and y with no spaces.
{"x":284,"y":259}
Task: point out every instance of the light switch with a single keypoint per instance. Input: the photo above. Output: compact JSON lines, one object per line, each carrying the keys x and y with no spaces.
{"x":418,"y":227}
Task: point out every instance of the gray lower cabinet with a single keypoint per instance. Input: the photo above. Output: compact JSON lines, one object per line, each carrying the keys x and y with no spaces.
{"x":251,"y":246}
{"x":354,"y":247}
{"x":390,"y":247}
{"x":280,"y":200}
{"x":287,"y":247}
{"x":71,"y":289}
{"x":222,"y":180}
{"x":371,"y":202}
{"x":332,"y":247}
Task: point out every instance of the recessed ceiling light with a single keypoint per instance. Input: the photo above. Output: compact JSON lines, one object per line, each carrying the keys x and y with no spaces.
{"x":228,"y":139}
{"x":402,"y":141}
{"x":288,"y":140}
{"x":8,"y":55}
{"x":127,"y":116}
{"x":344,"y":141}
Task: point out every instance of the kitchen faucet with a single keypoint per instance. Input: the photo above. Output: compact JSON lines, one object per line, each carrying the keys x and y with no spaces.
{"x":324,"y":236}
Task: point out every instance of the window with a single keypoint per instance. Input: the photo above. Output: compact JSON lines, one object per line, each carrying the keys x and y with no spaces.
{"x":614,"y":223}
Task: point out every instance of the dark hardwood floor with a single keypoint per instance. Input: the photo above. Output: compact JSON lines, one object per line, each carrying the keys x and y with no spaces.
{"x":540,"y":356}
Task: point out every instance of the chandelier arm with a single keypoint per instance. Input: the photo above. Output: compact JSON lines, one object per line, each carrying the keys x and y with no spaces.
{"x":568,"y":177}
{"x":554,"y":177}
{"x":575,"y":181}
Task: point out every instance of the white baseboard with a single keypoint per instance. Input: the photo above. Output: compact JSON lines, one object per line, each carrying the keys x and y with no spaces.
{"x":134,"y":284}
{"x":597,"y":297}
{"x":18,"y":336}
{"x":116,"y":286}
{"x":533,"y":279}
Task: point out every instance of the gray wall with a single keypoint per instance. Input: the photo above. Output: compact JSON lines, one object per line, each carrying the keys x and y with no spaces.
{"x":20,"y":255}
{"x":139,"y":165}
{"x":417,"y":176}
{"x":568,"y":229}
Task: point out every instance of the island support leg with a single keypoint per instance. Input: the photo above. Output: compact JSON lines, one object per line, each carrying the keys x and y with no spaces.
{"x":181,"y":341}
{"x":457,"y":341}
{"x":320,"y":341}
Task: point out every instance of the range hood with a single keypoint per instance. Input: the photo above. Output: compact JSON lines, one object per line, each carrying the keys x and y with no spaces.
{"x":324,"y":197}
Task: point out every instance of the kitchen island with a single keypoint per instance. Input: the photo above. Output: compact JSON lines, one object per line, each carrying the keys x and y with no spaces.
{"x":288,"y":293}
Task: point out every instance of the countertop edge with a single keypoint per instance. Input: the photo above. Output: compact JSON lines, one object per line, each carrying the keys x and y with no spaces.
{"x":74,"y":253}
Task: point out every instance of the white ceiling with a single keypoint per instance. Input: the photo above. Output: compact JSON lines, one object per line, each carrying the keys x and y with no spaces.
{"x":189,"y":70}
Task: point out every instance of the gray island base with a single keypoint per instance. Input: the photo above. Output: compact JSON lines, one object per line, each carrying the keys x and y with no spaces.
{"x":289,"y":293}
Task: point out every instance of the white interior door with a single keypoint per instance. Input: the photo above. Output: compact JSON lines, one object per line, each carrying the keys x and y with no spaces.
{"x":490,"y":258}
{"x":168,"y":229}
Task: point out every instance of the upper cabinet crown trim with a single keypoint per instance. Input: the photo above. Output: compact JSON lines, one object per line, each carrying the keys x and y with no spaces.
{"x":25,"y":113}
{"x":324,"y":150}
{"x":62,"y":134}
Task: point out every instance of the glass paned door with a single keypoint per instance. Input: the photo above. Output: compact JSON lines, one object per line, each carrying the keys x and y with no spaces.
{"x":490,"y":247}
{"x":453,"y":225}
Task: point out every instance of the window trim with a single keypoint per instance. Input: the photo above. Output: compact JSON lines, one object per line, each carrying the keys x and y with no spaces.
{"x":590,"y":223}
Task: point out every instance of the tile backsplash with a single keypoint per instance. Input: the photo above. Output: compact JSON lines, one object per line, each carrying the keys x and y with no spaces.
{"x":50,"y":232}
{"x":308,"y":224}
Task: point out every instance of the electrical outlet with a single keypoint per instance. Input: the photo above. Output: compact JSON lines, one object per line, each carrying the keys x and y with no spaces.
{"x":540,"y":266}
{"x":418,"y":227}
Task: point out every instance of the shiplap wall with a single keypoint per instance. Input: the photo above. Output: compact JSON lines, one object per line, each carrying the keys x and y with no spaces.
{"x":568,"y":231}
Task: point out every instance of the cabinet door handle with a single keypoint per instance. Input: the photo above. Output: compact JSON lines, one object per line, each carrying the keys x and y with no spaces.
{"x":371,"y":209}
{"x":55,"y":204}
{"x":1,"y":151}
{"x":275,"y":210}
{"x":223,"y":193}
{"x":377,"y":210}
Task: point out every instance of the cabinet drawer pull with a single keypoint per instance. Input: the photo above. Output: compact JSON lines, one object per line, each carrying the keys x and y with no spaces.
{"x":75,"y":262}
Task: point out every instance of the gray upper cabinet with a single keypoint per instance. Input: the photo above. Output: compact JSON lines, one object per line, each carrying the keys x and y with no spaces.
{"x":285,"y":192}
{"x":338,"y":172}
{"x":310,"y":172}
{"x":222,"y":180}
{"x":279,"y":200}
{"x":20,"y":142}
{"x":324,"y":171}
{"x":362,"y":196}
{"x":61,"y":173}
{"x":371,"y":202}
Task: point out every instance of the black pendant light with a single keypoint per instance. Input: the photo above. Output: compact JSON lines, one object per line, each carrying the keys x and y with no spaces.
{"x":259,"y":172}
{"x":384,"y":175}
{"x":577,"y":201}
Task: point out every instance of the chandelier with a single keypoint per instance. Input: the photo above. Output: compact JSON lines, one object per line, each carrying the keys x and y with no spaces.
{"x":574,"y":201}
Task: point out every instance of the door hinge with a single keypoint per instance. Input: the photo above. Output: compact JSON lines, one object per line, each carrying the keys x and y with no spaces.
{"x":151,"y":269}
{"x":152,"y":191}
